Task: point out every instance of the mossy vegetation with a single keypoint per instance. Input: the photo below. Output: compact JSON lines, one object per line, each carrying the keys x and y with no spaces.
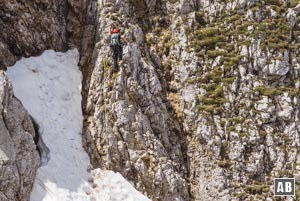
{"x":294,"y":3}
{"x":257,"y":189}
{"x":285,"y":173}
{"x":267,"y":91}
{"x":106,"y":66}
{"x":206,"y":108}
{"x":224,"y":164}
{"x":243,"y":134}
{"x":233,"y":27}
{"x":173,"y":98}
{"x":215,"y":53}
{"x":271,"y":92}
{"x":241,"y":195}
{"x":200,"y":18}
{"x":231,"y":128}
{"x":214,"y":99}
{"x":217,"y":41}
{"x":207,"y":38}
{"x":218,"y":47}
{"x":262,"y":133}
{"x":276,"y":33}
{"x":273,"y":2}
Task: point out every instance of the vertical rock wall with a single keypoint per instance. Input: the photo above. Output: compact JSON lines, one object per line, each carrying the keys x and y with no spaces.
{"x":30,"y":27}
{"x":19,"y":158}
{"x":205,"y":106}
{"x":27,"y":29}
{"x":130,"y":126}
{"x":207,"y":97}
{"x":235,"y":71}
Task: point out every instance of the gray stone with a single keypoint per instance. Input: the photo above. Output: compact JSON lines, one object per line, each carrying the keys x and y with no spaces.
{"x":19,"y":158}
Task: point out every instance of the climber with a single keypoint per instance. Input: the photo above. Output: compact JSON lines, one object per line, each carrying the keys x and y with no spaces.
{"x":288,"y":3}
{"x":117,"y":41}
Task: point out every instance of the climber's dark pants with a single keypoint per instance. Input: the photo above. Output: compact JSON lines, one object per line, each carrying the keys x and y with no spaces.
{"x":117,"y":55}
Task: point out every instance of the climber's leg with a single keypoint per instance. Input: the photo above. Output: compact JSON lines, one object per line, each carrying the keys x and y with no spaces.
{"x":115,"y":58}
{"x":121,"y":52}
{"x":120,"y":55}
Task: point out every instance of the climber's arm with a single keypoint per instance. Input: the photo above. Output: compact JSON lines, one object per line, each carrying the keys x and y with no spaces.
{"x":124,"y":39}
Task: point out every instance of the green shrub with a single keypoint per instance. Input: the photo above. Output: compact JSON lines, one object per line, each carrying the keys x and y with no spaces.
{"x":207,"y":108}
{"x":200,"y":18}
{"x":215,"y":53}
{"x":231,"y":128}
{"x":294,"y":3}
{"x":273,"y":2}
{"x":207,"y":32}
{"x":267,"y":91}
{"x":257,"y":189}
{"x":234,"y":18}
{"x":211,"y":41}
{"x":224,"y":163}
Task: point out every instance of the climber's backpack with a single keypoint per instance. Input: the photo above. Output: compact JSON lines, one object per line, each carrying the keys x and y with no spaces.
{"x":115,"y":39}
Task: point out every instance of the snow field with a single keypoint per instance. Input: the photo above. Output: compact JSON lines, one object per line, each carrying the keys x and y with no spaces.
{"x":49,"y":86}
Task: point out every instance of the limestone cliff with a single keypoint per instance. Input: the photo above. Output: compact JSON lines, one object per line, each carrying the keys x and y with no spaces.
{"x":130,"y":125}
{"x":206,"y":104}
{"x":19,"y":158}
{"x":29,"y":28}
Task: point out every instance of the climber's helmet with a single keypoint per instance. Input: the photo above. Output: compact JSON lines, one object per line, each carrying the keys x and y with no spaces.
{"x":115,"y":30}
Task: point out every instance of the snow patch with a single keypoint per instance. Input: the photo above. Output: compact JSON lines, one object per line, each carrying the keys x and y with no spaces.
{"x":49,"y":87}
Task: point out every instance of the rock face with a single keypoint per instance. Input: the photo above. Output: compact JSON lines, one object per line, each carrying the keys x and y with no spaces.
{"x":29,"y":28}
{"x":19,"y":158}
{"x":205,"y":106}
{"x":130,"y":125}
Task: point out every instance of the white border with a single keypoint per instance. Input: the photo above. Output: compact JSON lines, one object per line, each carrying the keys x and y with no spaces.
{"x":285,"y":195}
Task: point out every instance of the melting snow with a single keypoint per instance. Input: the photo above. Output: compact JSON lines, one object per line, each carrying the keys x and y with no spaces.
{"x":49,"y":87}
